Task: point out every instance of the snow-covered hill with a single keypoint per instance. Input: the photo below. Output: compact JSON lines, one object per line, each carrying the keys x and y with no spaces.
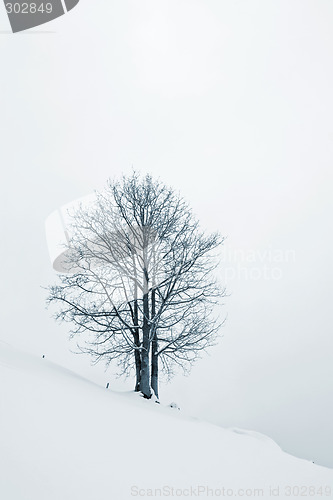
{"x":65,"y":438}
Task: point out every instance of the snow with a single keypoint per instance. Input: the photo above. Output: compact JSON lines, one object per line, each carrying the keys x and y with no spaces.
{"x":64,"y":437}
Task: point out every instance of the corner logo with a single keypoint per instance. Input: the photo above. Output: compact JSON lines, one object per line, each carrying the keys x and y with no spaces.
{"x":28,"y":14}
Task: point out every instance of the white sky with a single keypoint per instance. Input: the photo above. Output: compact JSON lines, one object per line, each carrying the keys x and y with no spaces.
{"x":231,"y":103}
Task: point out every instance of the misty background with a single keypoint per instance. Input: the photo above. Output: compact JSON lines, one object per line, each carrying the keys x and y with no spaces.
{"x":229,"y":102}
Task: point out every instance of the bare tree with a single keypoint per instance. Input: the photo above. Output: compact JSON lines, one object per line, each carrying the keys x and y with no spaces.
{"x":140,"y":284}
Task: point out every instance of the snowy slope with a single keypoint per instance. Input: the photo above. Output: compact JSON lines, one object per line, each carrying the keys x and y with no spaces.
{"x":63,"y":438}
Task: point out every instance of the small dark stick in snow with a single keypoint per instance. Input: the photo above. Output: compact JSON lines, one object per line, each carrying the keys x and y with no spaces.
{"x":107,"y":385}
{"x":43,"y":356}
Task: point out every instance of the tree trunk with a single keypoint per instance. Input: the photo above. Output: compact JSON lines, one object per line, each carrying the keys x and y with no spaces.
{"x":154,"y":366}
{"x":145,"y":375}
{"x":137,"y":363}
{"x":136,"y":336}
{"x":154,"y":349}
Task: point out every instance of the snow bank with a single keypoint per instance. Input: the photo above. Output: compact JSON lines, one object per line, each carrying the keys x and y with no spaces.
{"x":65,"y":438}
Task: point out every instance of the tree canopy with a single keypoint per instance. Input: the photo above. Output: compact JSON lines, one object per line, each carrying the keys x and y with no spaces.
{"x":140,"y":288}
